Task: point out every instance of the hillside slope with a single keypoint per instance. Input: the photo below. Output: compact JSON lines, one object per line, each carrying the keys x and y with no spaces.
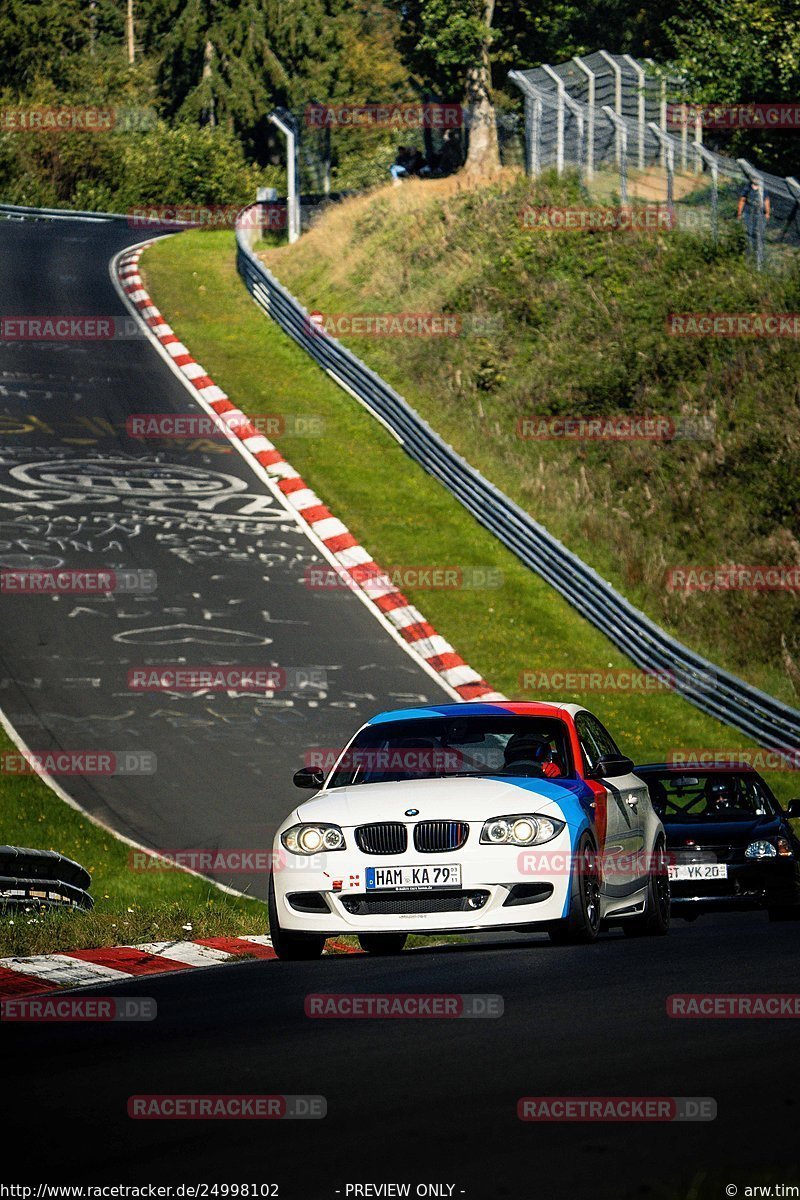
{"x":577,"y":327}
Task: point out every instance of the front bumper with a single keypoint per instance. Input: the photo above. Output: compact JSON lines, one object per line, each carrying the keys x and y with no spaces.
{"x":328,"y":895}
{"x":749,"y":885}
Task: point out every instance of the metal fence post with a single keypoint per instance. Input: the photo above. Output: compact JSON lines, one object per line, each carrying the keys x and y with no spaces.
{"x":667,"y":145}
{"x":622,"y":150}
{"x":561,"y":90}
{"x":711,"y":162}
{"x":577,"y":111}
{"x":641,"y":78}
{"x":684,"y":135}
{"x":536,"y":136}
{"x":751,"y":174}
{"x":760,"y":223}
{"x":698,"y":139}
{"x":617,"y":69}
{"x":663,"y":119}
{"x":589,"y":116}
{"x":533,"y":123}
{"x":285,"y":121}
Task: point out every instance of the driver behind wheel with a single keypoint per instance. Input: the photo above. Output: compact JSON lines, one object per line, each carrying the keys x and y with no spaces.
{"x":722,"y":797}
{"x":526,"y":752}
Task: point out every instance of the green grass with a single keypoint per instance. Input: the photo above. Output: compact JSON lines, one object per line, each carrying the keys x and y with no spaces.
{"x":583,"y":334}
{"x":399,"y":512}
{"x":130,"y":905}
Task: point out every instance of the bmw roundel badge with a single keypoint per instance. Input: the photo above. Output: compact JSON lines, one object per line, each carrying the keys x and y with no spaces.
{"x":412,"y":812}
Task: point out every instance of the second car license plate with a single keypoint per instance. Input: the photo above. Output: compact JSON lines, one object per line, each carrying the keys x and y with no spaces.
{"x":699,"y":871}
{"x":413,"y":878}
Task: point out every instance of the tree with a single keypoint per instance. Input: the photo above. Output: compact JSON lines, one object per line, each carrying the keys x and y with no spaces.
{"x":736,"y":51}
{"x":448,"y":47}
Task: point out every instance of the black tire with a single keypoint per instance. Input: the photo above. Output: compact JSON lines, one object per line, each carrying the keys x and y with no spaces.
{"x":292,"y":947}
{"x":582,"y":924}
{"x":784,"y":912}
{"x":382,"y":943}
{"x":654,"y":921}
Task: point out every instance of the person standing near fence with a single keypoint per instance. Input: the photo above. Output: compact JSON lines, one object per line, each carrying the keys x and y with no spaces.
{"x":755,"y":213}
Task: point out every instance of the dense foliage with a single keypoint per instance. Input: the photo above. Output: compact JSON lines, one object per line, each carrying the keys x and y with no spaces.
{"x":209,"y":71}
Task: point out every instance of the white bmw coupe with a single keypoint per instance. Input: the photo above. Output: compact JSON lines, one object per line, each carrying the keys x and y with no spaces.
{"x":459,"y":818}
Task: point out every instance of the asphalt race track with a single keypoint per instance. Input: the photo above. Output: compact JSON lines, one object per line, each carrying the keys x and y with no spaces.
{"x":417,"y":1102}
{"x":432,"y":1100}
{"x":229,"y":562}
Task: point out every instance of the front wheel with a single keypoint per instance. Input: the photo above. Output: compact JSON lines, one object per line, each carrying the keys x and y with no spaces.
{"x":582,"y":923}
{"x":287,"y":944}
{"x":654,"y":921}
{"x":382,"y":943}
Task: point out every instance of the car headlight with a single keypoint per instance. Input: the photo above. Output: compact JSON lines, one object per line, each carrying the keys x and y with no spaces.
{"x":760,"y":850}
{"x":520,"y":830}
{"x":313,"y":839}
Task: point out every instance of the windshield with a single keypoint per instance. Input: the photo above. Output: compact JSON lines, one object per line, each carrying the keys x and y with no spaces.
{"x":438,"y":747}
{"x":716,"y":796}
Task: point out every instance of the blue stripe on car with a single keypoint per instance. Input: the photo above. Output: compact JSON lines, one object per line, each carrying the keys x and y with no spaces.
{"x":439,"y":710}
{"x":573,"y":797}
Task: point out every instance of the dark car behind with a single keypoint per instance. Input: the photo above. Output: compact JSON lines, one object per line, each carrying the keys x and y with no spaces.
{"x":729,"y":842}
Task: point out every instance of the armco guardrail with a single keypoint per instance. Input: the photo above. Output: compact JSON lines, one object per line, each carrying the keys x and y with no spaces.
{"x":75,"y":214}
{"x":767,"y":721}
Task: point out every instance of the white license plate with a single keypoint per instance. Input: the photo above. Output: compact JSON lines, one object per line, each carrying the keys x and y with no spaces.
{"x":699,"y":871}
{"x":413,"y":879}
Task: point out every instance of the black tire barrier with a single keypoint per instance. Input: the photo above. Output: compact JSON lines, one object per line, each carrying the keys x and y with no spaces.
{"x":41,"y":893}
{"x":42,"y":877}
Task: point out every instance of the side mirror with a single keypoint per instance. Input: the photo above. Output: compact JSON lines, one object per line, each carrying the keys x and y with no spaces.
{"x":793,"y":811}
{"x":309,"y":777}
{"x":612,"y":765}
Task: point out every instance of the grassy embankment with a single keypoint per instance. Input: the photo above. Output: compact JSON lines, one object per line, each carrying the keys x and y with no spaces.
{"x":583,"y":333}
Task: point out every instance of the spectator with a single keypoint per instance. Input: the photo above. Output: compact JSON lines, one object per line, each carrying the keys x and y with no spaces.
{"x":400,"y":167}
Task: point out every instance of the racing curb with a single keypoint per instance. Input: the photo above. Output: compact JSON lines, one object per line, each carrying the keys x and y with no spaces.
{"x":87,"y":968}
{"x":392,"y":606}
